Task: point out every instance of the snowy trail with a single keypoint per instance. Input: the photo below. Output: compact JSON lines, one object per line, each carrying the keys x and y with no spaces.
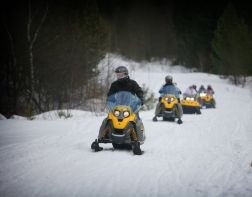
{"x":208,"y":155}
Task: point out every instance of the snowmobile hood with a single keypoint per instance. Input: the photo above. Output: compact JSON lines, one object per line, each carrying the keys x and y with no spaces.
{"x":121,"y":116}
{"x":169,"y":101}
{"x":190,"y":101}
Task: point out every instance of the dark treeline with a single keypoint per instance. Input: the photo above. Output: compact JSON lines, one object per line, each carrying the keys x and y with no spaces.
{"x":50,"y":49}
{"x":49,"y":54}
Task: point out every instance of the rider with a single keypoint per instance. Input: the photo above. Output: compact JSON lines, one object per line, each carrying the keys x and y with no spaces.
{"x":190,"y":91}
{"x":202,"y":89}
{"x":124,"y":83}
{"x":173,"y":89}
{"x":210,"y":90}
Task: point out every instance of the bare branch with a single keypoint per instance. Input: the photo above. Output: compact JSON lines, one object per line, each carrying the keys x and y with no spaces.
{"x":39,"y":26}
{"x":29,"y":22}
{"x":11,"y":43}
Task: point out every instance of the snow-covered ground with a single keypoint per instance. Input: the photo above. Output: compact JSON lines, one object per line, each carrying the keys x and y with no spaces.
{"x":208,"y":155}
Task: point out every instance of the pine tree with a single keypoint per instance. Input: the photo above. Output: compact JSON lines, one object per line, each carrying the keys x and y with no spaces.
{"x":232,"y":45}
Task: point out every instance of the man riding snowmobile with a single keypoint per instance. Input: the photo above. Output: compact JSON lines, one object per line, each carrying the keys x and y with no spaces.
{"x":123,"y":125}
{"x":190,"y":91}
{"x":169,"y":93}
{"x":207,"y":99}
{"x":190,"y":102}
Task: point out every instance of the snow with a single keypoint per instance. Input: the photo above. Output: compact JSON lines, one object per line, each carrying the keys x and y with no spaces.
{"x":208,"y":155}
{"x":2,"y":117}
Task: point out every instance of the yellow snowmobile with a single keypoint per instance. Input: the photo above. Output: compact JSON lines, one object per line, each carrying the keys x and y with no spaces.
{"x":207,"y":100}
{"x":122,"y":127}
{"x":168,"y":105}
{"x":190,"y":105}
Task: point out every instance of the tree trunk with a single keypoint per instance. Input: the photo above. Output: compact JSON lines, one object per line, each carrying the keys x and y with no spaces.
{"x":12,"y":76}
{"x":32,"y":37}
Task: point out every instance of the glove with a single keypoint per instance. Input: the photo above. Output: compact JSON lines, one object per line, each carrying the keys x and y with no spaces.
{"x":144,"y":107}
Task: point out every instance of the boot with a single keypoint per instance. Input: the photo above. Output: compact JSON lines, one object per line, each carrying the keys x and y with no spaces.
{"x":180,"y":121}
{"x":136,"y":148}
{"x":95,"y":146}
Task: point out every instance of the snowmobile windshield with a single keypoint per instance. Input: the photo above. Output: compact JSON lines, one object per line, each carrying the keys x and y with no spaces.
{"x":169,"y":89}
{"x":124,"y":98}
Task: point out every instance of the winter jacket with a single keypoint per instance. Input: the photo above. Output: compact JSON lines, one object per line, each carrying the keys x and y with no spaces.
{"x":126,"y":84}
{"x":190,"y":92}
{"x":170,"y":89}
{"x":202,"y":89}
{"x":210,"y":91}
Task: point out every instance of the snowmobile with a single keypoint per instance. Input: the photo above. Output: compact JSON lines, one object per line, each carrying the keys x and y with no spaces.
{"x":122,"y":127}
{"x":207,"y":100}
{"x":169,"y":110}
{"x":190,"y":105}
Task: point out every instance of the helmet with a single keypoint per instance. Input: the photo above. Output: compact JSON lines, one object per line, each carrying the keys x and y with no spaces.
{"x":209,"y":87}
{"x":194,"y":86}
{"x":168,"y":79}
{"x":122,"y":69}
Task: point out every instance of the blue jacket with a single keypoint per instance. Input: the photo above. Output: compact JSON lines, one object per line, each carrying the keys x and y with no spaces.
{"x":169,"y":89}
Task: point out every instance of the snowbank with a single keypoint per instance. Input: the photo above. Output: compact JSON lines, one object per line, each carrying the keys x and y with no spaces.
{"x":2,"y":117}
{"x":69,"y":114}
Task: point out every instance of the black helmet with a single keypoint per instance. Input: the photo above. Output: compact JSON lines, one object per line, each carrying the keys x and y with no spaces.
{"x":168,"y":79}
{"x":122,"y":69}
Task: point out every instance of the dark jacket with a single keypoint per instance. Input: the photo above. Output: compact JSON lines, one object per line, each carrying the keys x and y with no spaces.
{"x":126,"y":84}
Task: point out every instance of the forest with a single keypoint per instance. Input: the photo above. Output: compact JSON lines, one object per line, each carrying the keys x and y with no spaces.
{"x":50,"y":49}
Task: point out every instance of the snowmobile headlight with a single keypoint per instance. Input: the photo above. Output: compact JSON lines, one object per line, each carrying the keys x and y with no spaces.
{"x":189,"y":98}
{"x":116,"y":113}
{"x":202,"y":94}
{"x":171,"y":99}
{"x":126,"y":114}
